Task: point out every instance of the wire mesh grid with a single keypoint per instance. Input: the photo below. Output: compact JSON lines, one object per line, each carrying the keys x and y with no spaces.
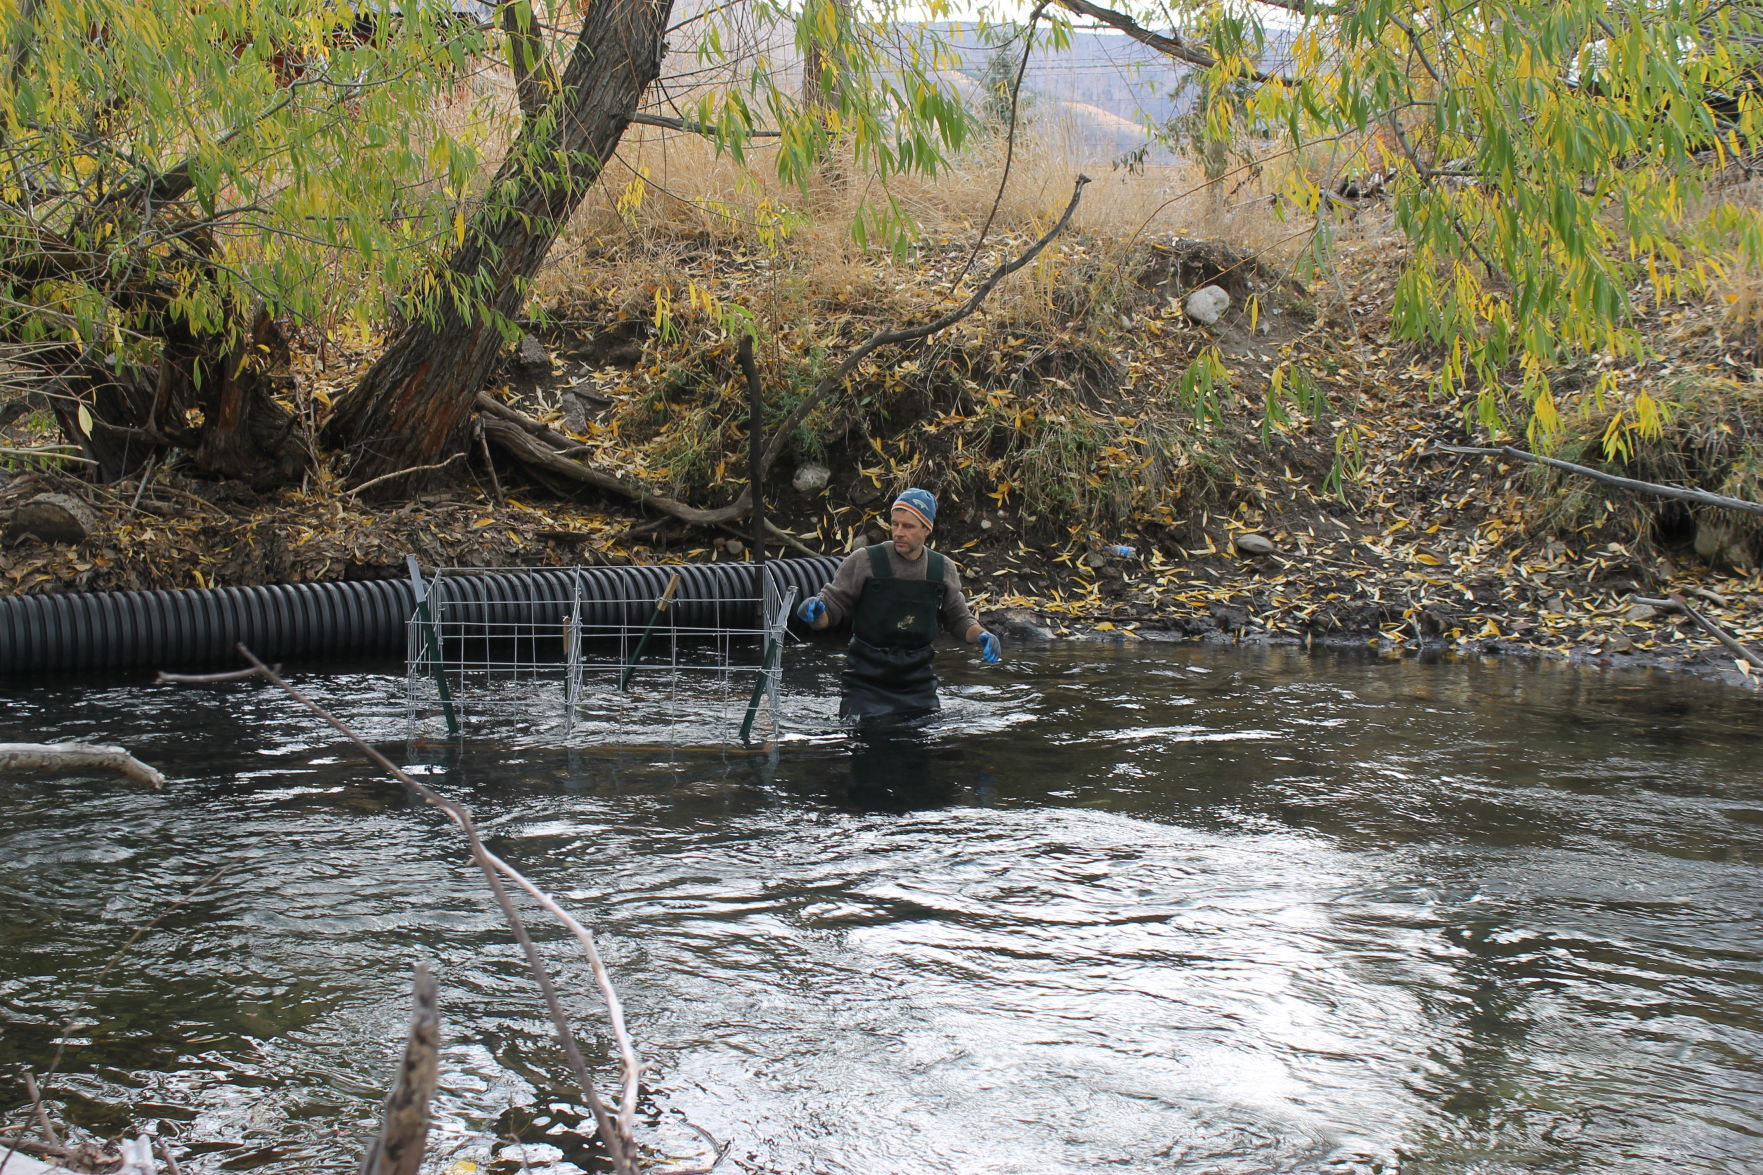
{"x":584,"y":656}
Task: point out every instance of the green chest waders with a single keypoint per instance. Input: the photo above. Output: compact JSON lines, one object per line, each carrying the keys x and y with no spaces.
{"x":888,"y":665}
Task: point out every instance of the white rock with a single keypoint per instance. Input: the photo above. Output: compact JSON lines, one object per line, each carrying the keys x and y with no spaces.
{"x":811,"y":478}
{"x":1254,"y":544}
{"x":1206,"y":304}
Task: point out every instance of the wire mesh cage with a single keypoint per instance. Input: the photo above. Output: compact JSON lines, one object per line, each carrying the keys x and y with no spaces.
{"x":634,"y":656}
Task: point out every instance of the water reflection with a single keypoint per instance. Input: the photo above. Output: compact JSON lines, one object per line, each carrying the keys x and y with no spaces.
{"x":1189,"y":912}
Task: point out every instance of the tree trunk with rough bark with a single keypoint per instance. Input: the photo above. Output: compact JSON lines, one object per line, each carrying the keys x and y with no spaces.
{"x":412,"y":407}
{"x":213,"y":397}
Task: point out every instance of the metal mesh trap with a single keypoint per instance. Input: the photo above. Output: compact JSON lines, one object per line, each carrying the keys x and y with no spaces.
{"x":633,"y":656}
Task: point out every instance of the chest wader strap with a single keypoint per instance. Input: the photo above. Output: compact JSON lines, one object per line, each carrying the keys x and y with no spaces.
{"x":881,"y":568}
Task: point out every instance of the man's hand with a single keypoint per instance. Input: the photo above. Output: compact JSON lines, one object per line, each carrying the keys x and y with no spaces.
{"x":990,"y":651}
{"x":811,"y":610}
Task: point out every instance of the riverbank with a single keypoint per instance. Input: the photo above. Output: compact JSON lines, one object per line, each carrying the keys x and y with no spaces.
{"x":1331,"y":577}
{"x":1278,"y":475}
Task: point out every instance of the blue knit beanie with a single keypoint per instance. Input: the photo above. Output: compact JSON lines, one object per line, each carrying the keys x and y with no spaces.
{"x":921,"y":503}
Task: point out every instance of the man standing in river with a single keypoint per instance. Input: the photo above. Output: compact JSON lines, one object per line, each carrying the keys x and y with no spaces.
{"x":896,"y":595}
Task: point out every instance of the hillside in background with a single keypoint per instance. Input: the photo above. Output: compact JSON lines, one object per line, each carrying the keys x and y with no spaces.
{"x":1101,"y":96}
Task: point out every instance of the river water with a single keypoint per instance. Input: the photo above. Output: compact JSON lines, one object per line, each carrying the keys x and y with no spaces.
{"x":1174,"y":909}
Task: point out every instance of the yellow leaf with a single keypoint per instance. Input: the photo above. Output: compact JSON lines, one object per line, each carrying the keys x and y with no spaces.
{"x":1429,"y":560}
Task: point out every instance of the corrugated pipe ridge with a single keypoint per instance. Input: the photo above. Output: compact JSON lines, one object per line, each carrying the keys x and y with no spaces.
{"x":198,"y":627}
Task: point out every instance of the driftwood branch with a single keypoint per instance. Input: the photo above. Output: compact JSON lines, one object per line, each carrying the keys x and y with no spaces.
{"x":620,"y":1144}
{"x":76,"y":756}
{"x":404,"y":1130}
{"x":1676,"y":603}
{"x":531,"y":451}
{"x":1648,"y":487}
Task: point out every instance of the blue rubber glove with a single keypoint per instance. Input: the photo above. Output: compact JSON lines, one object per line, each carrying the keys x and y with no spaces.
{"x":988,"y":648}
{"x":811,"y":609}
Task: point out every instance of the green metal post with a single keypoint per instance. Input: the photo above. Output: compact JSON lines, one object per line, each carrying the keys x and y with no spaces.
{"x":624,"y":683}
{"x":432,"y":640}
{"x":771,"y":650}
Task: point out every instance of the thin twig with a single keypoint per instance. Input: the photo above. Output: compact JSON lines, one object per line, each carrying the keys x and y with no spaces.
{"x":490,"y":466}
{"x":1028,"y":48}
{"x":784,"y":431}
{"x":384,"y":477}
{"x":627,"y":1052}
{"x":45,"y":455}
{"x":135,"y":502}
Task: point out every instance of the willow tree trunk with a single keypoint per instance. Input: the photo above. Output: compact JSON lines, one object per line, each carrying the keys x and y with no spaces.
{"x":412,"y":407}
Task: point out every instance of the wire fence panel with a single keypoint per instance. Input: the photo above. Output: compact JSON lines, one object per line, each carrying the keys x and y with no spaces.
{"x":639,"y":657}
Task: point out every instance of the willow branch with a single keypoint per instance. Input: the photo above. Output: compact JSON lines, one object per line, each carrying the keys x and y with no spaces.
{"x":1165,"y":43}
{"x":1676,"y":603}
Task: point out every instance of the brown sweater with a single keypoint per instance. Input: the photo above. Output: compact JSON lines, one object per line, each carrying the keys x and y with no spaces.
{"x":842,"y":593}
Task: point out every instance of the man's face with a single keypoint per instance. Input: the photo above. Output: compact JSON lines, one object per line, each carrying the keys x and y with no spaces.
{"x":909,"y":532}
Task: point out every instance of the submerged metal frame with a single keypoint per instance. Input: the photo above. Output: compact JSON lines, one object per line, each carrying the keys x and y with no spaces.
{"x":564,"y":667}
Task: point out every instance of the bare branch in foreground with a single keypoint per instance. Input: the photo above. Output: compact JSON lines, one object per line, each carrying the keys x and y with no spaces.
{"x":42,"y":1115}
{"x":398,"y":1149}
{"x":75,"y":756}
{"x":1648,"y":487}
{"x":620,"y":1143}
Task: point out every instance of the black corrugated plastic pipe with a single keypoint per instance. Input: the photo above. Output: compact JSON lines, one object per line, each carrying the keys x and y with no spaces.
{"x":197,"y":628}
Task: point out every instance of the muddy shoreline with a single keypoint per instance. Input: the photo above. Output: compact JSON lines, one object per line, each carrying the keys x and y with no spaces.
{"x":1190,"y":583}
